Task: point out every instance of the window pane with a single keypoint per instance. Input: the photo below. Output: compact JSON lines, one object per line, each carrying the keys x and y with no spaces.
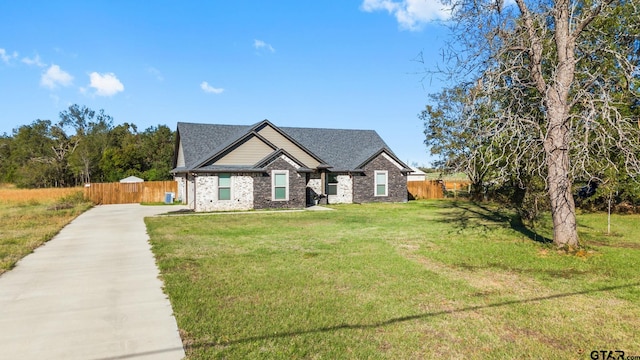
{"x":381,"y":178}
{"x":332,"y":178}
{"x":224,"y":180}
{"x":280,"y":179}
{"x":224,"y":194}
{"x":280,"y":193}
{"x":332,"y":189}
{"x":380,"y":189}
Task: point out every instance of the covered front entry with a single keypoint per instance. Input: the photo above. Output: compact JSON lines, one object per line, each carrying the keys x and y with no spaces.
{"x":315,"y":193}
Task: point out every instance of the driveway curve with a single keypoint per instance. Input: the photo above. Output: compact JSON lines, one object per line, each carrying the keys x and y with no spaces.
{"x":92,"y":292}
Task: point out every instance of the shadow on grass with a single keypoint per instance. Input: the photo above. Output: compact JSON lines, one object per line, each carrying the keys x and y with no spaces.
{"x":403,"y":318}
{"x":567,"y":273}
{"x":474,"y":210}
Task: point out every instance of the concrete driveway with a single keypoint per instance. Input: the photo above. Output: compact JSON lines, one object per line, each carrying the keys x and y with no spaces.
{"x":92,"y":292}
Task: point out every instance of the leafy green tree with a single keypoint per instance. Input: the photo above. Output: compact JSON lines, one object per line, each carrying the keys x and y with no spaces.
{"x":452,"y":131}
{"x":157,"y":147}
{"x":456,"y":127}
{"x":64,"y":145}
{"x":83,"y":146}
{"x":123,"y":156}
{"x":7,"y":170}
{"x":555,"y":77}
{"x":91,"y":133}
{"x":32,"y":156}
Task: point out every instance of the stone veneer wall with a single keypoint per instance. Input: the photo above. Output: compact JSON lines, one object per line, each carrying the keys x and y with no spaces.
{"x":364,"y":185}
{"x":182,"y":183}
{"x":344,"y":192}
{"x":189,"y":192}
{"x":314,"y":185}
{"x":207,"y":193}
{"x":297,"y":187}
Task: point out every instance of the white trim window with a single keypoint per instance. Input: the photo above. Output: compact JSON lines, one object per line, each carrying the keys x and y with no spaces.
{"x":224,"y":187}
{"x":381,"y":183}
{"x":280,"y":185}
{"x":332,"y":184}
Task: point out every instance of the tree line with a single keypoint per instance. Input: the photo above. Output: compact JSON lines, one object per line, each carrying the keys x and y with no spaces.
{"x":544,"y":104}
{"x":83,"y":146}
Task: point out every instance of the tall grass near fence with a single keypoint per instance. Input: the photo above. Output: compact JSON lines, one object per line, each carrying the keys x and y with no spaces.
{"x":11,"y":194}
{"x":29,"y":218}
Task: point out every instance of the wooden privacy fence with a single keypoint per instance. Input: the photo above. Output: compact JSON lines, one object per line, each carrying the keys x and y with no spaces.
{"x":428,"y":189}
{"x":128,"y":193}
{"x":456,"y":186}
{"x":434,"y":189}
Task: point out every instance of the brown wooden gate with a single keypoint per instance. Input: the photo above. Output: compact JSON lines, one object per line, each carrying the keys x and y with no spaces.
{"x":128,"y":193}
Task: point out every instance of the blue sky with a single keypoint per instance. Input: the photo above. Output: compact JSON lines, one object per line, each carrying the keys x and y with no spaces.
{"x":333,"y":63}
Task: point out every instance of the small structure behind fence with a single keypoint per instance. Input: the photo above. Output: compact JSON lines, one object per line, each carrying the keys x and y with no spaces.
{"x":434,"y":189}
{"x":128,"y":193}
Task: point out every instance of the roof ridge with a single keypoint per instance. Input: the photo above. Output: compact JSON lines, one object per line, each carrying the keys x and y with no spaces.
{"x":323,"y":128}
{"x":209,"y":124}
{"x":261,"y":122}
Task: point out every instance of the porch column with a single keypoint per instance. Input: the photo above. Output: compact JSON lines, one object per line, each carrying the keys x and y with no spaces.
{"x":323,"y":185}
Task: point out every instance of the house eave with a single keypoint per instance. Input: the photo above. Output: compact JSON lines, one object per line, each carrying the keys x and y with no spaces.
{"x":388,"y":152}
{"x":178,"y":170}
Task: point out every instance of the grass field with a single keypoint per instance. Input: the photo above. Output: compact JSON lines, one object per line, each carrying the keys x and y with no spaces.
{"x":436,"y":175}
{"x":28,"y":218}
{"x":427,"y":279}
{"x":11,"y":194}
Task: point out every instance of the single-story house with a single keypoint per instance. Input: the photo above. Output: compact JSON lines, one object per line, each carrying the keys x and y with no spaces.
{"x":238,"y":167}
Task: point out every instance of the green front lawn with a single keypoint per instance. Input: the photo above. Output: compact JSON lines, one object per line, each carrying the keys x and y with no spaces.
{"x":427,"y":279}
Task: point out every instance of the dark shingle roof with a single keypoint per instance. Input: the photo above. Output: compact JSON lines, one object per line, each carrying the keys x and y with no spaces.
{"x":201,"y":140}
{"x":343,"y":150}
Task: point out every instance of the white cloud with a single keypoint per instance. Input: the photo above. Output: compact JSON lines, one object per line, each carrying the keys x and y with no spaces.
{"x":261,"y":45}
{"x":6,"y":57}
{"x":106,"y":84}
{"x":411,"y":14}
{"x":55,"y":76}
{"x":35,"y":61}
{"x":210,"y":89}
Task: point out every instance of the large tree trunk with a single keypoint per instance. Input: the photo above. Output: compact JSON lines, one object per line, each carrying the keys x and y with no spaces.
{"x":556,"y":144}
{"x":563,"y":208}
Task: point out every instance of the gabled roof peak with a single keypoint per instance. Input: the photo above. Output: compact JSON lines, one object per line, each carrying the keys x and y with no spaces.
{"x":260,"y":124}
